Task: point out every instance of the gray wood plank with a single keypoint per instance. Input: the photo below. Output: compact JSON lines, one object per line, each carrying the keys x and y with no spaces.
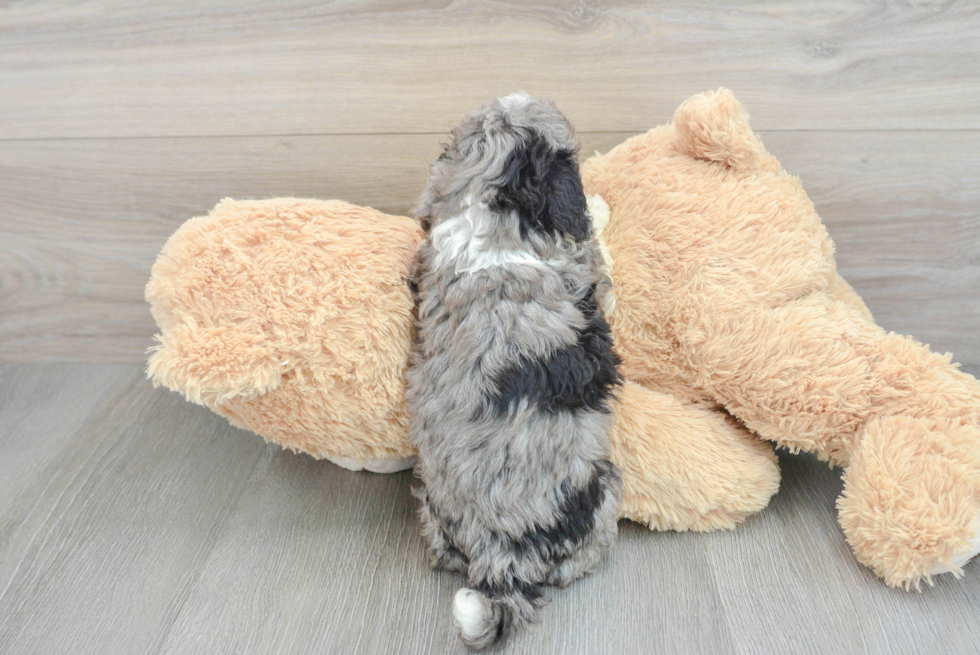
{"x":105,"y":68}
{"x":654,"y":594}
{"x":790,"y":584}
{"x":315,"y":559}
{"x":319,"y":559}
{"x":84,"y":221}
{"x":102,"y":542}
{"x":157,"y":528}
{"x":904,"y":213}
{"x":41,"y":408}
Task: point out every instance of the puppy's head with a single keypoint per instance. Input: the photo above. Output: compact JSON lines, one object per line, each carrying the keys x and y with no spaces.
{"x":517,"y":156}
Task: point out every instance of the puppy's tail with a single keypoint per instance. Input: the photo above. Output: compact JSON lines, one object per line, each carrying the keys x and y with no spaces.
{"x":487,"y":614}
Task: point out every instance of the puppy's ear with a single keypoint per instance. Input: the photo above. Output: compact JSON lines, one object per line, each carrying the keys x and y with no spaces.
{"x":462,"y":159}
{"x":545,"y":189}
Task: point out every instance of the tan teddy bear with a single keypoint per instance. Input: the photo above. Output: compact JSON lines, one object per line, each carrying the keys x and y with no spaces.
{"x":293,"y":318}
{"x":728,"y":295}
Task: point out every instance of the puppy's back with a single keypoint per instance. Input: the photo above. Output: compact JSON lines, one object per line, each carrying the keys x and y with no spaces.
{"x":514,"y":368}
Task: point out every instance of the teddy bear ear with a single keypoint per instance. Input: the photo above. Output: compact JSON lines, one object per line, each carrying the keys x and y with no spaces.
{"x":714,"y":127}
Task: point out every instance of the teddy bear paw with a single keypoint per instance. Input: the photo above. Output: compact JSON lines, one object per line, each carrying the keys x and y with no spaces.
{"x":382,"y":465}
{"x":909,"y":507}
{"x":958,"y":561}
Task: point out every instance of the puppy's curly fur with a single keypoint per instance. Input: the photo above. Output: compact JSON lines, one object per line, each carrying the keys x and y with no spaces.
{"x":514,"y":367}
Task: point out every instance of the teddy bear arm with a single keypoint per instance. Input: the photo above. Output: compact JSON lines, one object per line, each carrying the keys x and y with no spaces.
{"x":911,"y":502}
{"x":840,"y":290}
{"x":816,"y":375}
{"x":686,"y":467}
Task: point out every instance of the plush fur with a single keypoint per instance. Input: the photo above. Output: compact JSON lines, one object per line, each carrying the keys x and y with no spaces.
{"x":727,"y":300}
{"x":514,"y":369}
{"x":292,"y":318}
{"x":683,"y":467}
{"x":734,"y":301}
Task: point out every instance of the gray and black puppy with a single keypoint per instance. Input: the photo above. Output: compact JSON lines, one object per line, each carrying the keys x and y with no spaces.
{"x":514,"y":367}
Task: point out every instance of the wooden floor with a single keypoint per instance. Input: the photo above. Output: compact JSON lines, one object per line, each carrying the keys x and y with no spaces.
{"x":133,"y":522}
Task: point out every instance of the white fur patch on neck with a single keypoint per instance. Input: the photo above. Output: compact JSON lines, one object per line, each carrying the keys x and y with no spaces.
{"x":600,"y":213}
{"x":464,"y":243}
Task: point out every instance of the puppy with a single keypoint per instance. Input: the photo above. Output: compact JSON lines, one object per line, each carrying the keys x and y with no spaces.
{"x":514,"y":368}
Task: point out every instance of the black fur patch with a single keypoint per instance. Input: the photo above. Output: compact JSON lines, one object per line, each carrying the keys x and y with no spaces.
{"x":529,"y":590}
{"x":413,"y":286}
{"x":505,"y":618}
{"x":451,"y":548}
{"x":544,"y":187}
{"x":580,"y":376}
{"x":576,"y":519}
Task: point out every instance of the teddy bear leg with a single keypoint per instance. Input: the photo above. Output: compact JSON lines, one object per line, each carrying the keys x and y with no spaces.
{"x":687,"y":467}
{"x":911,"y":502}
{"x":817,"y":376}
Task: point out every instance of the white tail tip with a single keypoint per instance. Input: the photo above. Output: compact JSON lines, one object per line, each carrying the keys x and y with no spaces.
{"x":471,"y":612}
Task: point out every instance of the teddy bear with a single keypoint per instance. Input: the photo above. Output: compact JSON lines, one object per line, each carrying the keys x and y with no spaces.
{"x":728,"y":296}
{"x":293,"y":318}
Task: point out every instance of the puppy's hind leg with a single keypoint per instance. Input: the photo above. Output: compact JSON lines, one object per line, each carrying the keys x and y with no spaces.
{"x":587,"y":557}
{"x":443,"y":554}
{"x":578,"y":564}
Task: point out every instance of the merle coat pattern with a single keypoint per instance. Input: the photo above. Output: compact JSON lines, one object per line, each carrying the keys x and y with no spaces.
{"x":514,"y":369}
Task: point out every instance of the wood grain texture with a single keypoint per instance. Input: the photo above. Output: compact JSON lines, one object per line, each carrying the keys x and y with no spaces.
{"x":790,"y":583}
{"x":319,"y":560}
{"x":84,"y":220}
{"x":105,"y":68}
{"x":111,"y":518}
{"x":131,"y":521}
{"x":41,"y":408}
{"x":147,"y":525}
